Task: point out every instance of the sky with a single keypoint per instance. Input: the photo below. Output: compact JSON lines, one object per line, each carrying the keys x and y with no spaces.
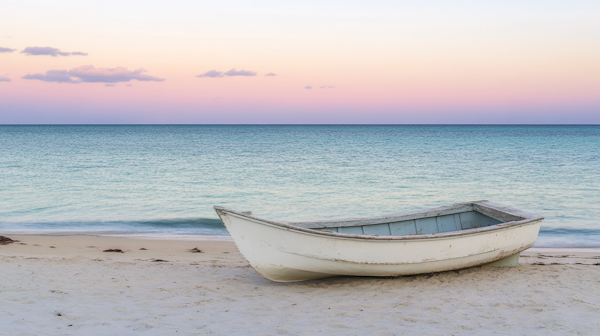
{"x":299,"y":62}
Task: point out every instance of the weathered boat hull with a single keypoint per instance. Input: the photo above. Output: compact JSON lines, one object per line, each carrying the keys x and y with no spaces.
{"x":283,"y":253}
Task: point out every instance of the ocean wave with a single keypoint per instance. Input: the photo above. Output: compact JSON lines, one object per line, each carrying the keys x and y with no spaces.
{"x":568,"y":237}
{"x":175,"y":226}
{"x":548,"y":237}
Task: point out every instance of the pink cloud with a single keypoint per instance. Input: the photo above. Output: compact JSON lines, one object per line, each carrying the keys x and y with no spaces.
{"x":58,"y":76}
{"x":39,"y":51}
{"x":232,"y":72}
{"x":211,"y":73}
{"x":6,"y":50}
{"x":90,"y":74}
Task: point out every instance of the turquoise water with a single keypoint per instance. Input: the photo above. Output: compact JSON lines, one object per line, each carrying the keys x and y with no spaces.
{"x":164,"y":180}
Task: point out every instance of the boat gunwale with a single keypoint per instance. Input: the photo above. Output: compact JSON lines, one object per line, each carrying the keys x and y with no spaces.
{"x":484,"y":207}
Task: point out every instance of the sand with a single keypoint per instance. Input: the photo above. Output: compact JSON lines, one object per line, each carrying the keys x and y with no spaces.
{"x":76,"y":289}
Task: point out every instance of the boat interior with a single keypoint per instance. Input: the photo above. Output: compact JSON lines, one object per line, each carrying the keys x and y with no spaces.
{"x":464,"y":220}
{"x":456,"y":217}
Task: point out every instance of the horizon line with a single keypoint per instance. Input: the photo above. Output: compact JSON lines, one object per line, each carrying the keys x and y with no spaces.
{"x":299,"y":124}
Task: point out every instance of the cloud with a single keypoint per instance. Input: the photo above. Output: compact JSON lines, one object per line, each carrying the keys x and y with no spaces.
{"x":109,"y":84}
{"x":271,"y":74}
{"x":6,"y":50}
{"x":326,"y":87}
{"x":129,"y":85}
{"x":234,"y":72}
{"x":308,"y":87}
{"x":38,"y":51}
{"x":211,"y":73}
{"x":4,"y":79}
{"x":90,"y":74}
{"x":87,"y":73}
{"x":58,"y":76}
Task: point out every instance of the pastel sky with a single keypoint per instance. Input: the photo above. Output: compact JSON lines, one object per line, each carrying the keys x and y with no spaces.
{"x":264,"y":62}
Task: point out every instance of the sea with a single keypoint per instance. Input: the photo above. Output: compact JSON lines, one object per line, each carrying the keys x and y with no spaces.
{"x":162,"y":181}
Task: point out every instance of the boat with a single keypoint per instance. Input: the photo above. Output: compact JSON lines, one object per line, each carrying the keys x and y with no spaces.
{"x":440,"y":239}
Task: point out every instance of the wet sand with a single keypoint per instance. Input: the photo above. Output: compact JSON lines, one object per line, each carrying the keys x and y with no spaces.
{"x":67,"y":285}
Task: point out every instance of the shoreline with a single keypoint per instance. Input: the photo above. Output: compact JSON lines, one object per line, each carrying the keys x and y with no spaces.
{"x":210,"y":237}
{"x":91,"y":245}
{"x":132,"y":235}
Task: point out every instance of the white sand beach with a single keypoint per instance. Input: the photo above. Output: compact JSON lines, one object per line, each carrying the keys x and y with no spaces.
{"x":66,"y":285}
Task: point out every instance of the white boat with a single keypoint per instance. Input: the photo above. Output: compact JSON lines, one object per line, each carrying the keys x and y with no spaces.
{"x":433,"y":240}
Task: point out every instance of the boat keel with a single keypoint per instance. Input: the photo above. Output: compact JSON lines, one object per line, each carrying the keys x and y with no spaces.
{"x":285,"y":274}
{"x":512,"y":260}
